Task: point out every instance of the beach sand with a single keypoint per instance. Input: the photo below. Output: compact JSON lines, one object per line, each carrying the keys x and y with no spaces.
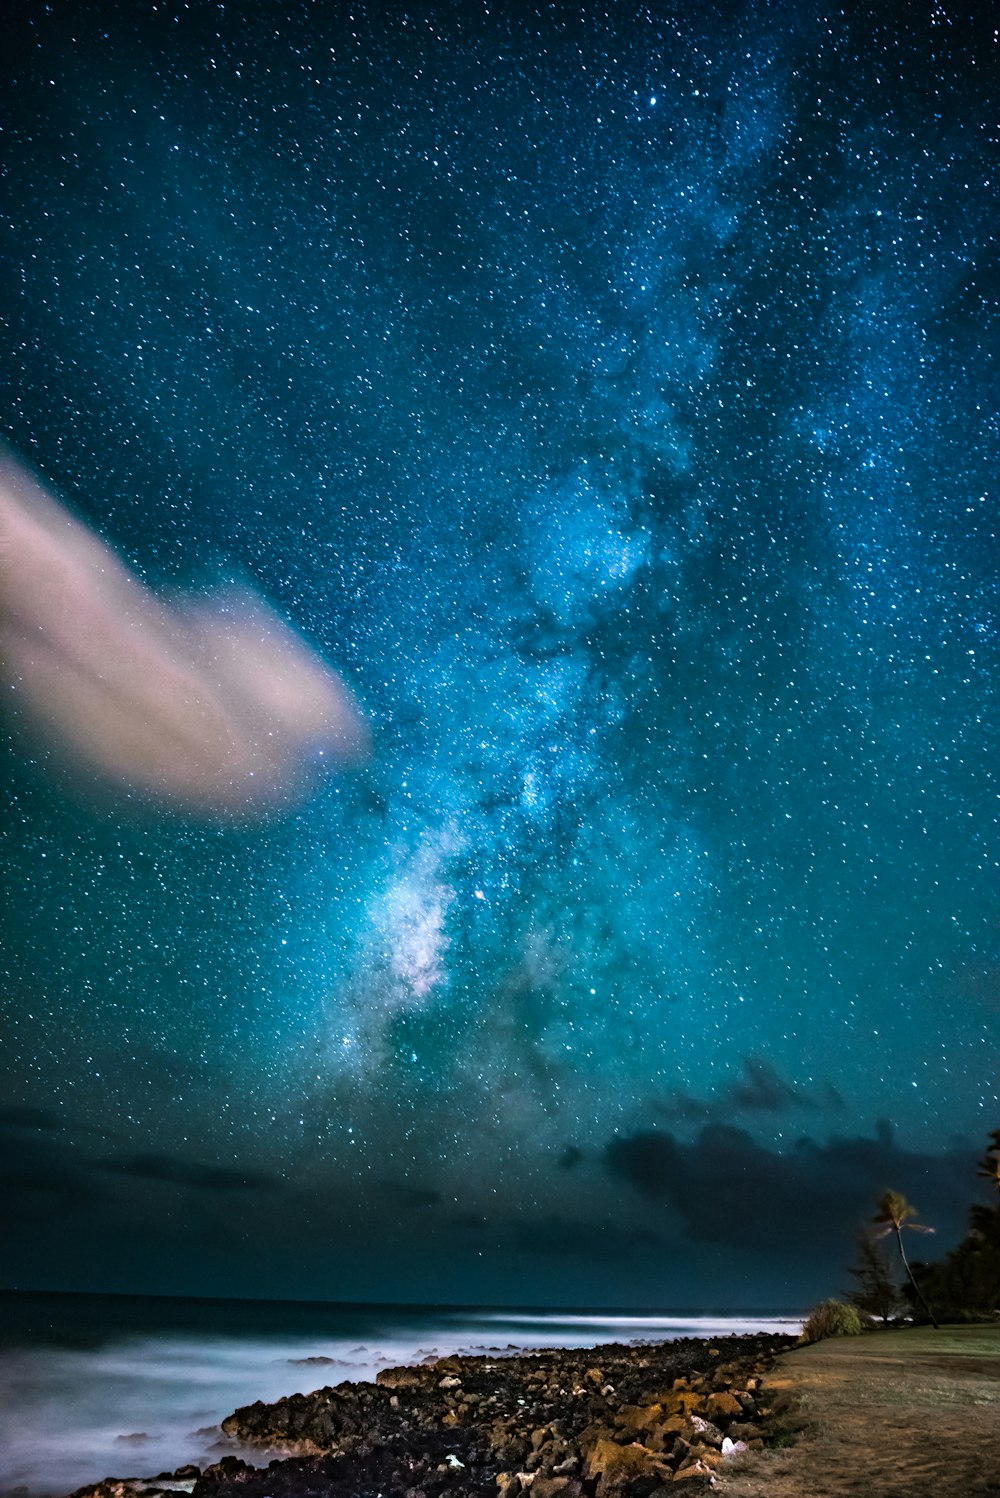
{"x":897,"y":1414}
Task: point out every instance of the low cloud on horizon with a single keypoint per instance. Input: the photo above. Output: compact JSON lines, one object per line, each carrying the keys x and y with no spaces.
{"x":725,"y":1186}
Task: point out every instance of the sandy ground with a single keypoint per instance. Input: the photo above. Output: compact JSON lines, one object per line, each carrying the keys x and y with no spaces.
{"x":899,"y":1414}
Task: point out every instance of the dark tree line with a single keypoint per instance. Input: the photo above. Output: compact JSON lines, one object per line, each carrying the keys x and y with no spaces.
{"x":964,"y":1285}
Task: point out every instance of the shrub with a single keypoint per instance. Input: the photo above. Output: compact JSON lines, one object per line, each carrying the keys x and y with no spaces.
{"x":832,"y":1319}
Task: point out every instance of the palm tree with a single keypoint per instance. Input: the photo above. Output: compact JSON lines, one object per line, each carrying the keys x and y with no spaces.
{"x":989,"y":1165}
{"x":893,"y":1215}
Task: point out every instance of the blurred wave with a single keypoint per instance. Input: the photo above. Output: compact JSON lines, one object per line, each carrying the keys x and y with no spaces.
{"x":142,"y":1402}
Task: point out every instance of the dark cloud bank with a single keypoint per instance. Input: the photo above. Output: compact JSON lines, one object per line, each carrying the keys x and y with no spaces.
{"x":722,"y":1207}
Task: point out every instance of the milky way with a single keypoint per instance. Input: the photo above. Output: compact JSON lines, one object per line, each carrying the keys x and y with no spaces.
{"x":613,"y":404}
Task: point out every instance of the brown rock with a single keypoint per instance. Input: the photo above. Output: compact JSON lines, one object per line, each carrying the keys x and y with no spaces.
{"x":591,"y":1434}
{"x":676,"y":1425}
{"x":639,"y":1417}
{"x":550,"y":1456}
{"x":517,"y":1482}
{"x":683,"y":1401}
{"x":695,"y":1476}
{"x":401,"y":1378}
{"x":724,"y":1405}
{"x":550,"y":1487}
{"x":615,"y":1467}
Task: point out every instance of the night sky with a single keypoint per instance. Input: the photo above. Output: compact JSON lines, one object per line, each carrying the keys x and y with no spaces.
{"x":611,"y":400}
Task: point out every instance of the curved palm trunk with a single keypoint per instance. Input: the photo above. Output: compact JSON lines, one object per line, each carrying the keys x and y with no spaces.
{"x":909,"y":1276}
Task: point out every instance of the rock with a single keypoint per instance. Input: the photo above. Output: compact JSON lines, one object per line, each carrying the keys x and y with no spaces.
{"x":129,"y":1487}
{"x":695,"y":1476}
{"x":618,"y":1467}
{"x":609,"y":1422}
{"x":402,"y":1378}
{"x":723,"y":1405}
{"x":639,"y":1417}
{"x":552,"y":1487}
{"x":683,"y":1401}
{"x":229,"y":1467}
{"x":743,"y":1430}
{"x":591,"y":1434}
{"x":676,"y":1425}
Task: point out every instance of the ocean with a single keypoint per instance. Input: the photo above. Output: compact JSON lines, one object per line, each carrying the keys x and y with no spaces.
{"x":95,"y":1386}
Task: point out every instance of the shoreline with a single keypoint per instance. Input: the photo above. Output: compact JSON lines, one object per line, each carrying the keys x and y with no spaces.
{"x":563,"y":1422}
{"x":95,"y":1388}
{"x":905,"y":1413}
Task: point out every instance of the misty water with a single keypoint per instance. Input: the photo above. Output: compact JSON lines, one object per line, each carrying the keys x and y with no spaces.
{"x":92,"y":1387}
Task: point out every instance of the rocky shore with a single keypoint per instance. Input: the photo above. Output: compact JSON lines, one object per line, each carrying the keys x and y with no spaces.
{"x":603,"y":1422}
